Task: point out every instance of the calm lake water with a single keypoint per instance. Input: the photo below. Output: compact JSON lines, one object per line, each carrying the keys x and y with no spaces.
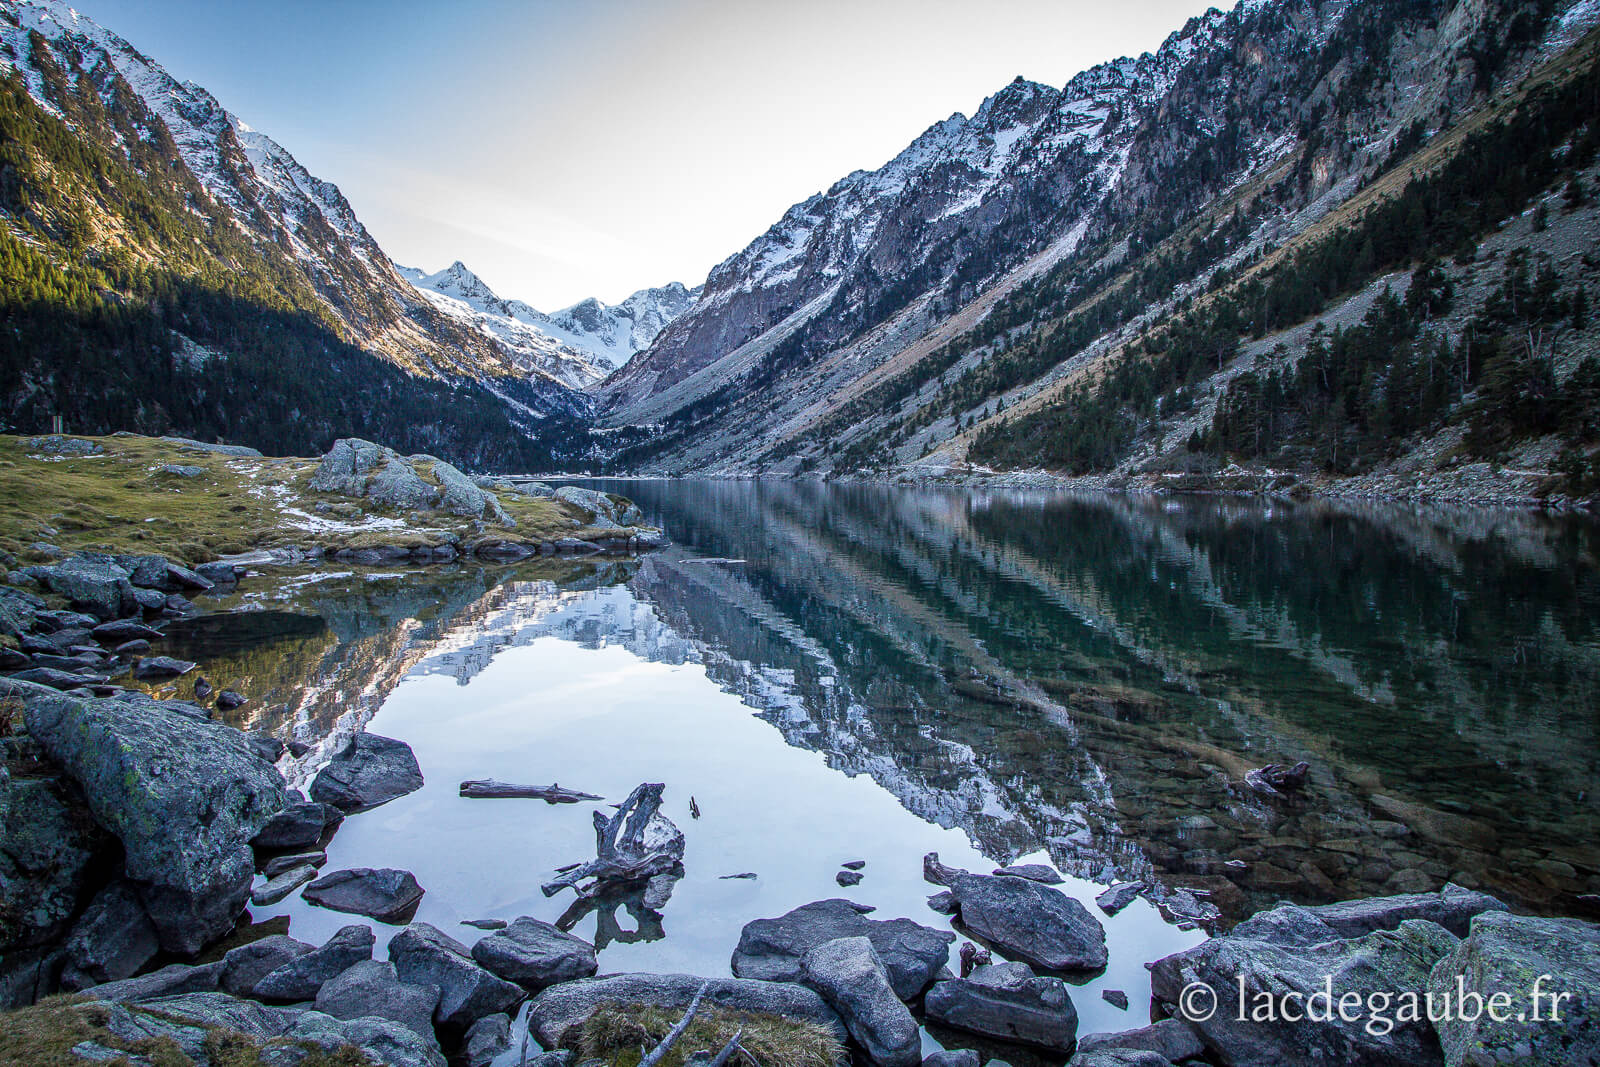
{"x":837,"y":673}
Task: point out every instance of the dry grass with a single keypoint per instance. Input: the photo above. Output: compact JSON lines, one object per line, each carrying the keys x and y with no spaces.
{"x":120,"y":501}
{"x":616,"y":1035}
{"x":44,"y":1035}
{"x":10,"y":715}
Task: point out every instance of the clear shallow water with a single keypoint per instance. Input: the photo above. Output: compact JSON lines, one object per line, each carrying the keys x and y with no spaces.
{"x":996,"y":677}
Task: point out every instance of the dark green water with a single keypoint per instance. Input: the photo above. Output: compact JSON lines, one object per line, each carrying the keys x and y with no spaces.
{"x":1115,"y":663}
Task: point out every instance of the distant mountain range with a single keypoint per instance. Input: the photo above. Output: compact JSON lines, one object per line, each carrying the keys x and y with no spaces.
{"x":595,"y":338}
{"x":1302,"y":238}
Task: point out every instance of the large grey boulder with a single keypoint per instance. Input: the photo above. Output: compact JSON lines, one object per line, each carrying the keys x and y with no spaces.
{"x":561,"y":1007}
{"x":370,"y":770}
{"x":345,"y":467}
{"x":535,"y":954}
{"x":47,"y":843}
{"x":1024,"y":919}
{"x":246,"y":965}
{"x":386,"y":893}
{"x":601,"y":508}
{"x":771,"y":949}
{"x":386,"y":1041}
{"x":1009,"y":1002}
{"x":304,"y":976}
{"x":184,"y":795}
{"x":92,"y":582}
{"x":425,"y":955}
{"x":1169,"y":1039}
{"x":1251,"y":982}
{"x":371,"y":987}
{"x":111,"y":940}
{"x":397,"y":485}
{"x":1512,"y":956}
{"x":851,"y":978}
{"x":461,"y":496}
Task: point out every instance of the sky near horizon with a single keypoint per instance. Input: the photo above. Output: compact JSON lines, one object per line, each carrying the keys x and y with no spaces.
{"x":565,"y":150}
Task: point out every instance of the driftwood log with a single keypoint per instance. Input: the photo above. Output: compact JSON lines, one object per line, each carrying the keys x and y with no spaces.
{"x":489,"y":789}
{"x":633,"y":845}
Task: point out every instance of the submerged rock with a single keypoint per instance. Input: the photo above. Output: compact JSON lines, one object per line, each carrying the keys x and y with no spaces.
{"x":1169,"y":1039}
{"x":771,"y":949}
{"x":385,"y":894}
{"x":851,"y":978}
{"x":370,"y":770}
{"x":561,"y":1007}
{"x":1009,"y":1002}
{"x":184,"y":795}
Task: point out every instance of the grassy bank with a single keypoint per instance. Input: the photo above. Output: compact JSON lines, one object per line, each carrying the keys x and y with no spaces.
{"x":155,"y":495}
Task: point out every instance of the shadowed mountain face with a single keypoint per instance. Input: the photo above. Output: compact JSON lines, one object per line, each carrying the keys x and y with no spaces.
{"x":1090,"y":676}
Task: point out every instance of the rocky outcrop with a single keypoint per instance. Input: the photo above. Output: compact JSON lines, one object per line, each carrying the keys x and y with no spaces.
{"x":358,"y":468}
{"x":370,"y":770}
{"x":372,"y":987}
{"x":1009,"y":1002}
{"x":561,"y":1007}
{"x":607,"y":510}
{"x":851,"y":978}
{"x":771,"y":949}
{"x":184,"y":795}
{"x":1529,"y":962}
{"x":1259,"y":992}
{"x":535,"y":954}
{"x":304,"y":976}
{"x":246,"y":965}
{"x":423,"y":955}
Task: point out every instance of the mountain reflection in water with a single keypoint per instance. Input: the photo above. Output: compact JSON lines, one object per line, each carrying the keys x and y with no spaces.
{"x":1084,"y":676}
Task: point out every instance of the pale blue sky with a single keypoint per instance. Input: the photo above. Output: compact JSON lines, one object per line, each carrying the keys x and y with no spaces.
{"x":564,"y":150}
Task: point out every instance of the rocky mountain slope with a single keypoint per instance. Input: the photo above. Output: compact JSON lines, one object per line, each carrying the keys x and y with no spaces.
{"x":580,"y":344}
{"x":119,"y":173}
{"x":967,"y":300}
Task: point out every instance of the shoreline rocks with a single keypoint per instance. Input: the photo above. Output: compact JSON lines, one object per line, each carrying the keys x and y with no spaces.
{"x":772,"y":949}
{"x":184,"y":795}
{"x":1009,"y":1002}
